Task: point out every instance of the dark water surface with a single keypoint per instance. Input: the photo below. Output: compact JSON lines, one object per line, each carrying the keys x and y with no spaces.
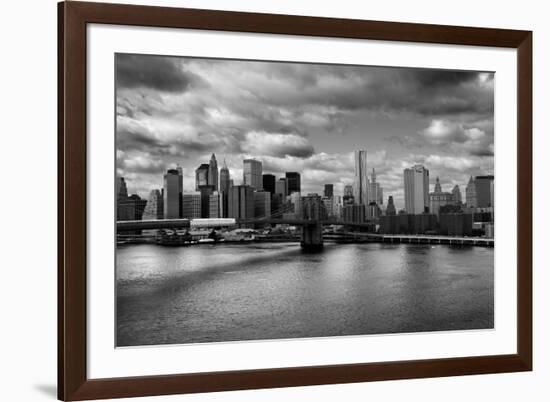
{"x":213,"y":293}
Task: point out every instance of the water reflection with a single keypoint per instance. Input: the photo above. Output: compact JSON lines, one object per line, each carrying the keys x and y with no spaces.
{"x":271,"y":291}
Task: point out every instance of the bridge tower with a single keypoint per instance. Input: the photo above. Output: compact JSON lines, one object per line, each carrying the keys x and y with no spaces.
{"x":312,"y":209}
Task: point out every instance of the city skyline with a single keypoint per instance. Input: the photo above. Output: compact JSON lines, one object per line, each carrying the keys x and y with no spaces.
{"x":306,"y":118}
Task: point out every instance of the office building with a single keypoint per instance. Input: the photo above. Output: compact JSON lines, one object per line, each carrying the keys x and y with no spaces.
{"x":329,"y":190}
{"x":375,"y":191}
{"x":262,"y":204}
{"x":390,"y":209}
{"x":173,"y":189}
{"x":373,"y":211}
{"x":268,"y":183}
{"x":457,"y":195}
{"x":293,"y":182}
{"x":416,"y":181}
{"x":213,"y":172}
{"x":241,"y":202}
{"x":295,"y":200}
{"x":191,"y":205}
{"x":281,"y":188}
{"x":353,"y":213}
{"x":252,"y":173}
{"x":361,"y":182}
{"x":483,"y":186}
{"x":215,"y":205}
{"x":225,"y":179}
{"x":439,"y":198}
{"x":471,"y":196}
{"x":154,"y":208}
{"x":201,"y":176}
{"x":121,"y":189}
{"x":455,"y":224}
{"x":206,"y":191}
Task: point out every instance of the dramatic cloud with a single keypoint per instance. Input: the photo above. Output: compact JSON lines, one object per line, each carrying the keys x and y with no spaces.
{"x":155,"y":72}
{"x":300,"y":117}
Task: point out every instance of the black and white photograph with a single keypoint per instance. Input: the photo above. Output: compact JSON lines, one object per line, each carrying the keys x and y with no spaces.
{"x":263,"y":200}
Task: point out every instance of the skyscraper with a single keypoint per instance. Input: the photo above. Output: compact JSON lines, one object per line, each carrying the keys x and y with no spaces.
{"x":439,"y":198}
{"x":262,"y":204}
{"x":471,"y":197}
{"x":173,"y":188}
{"x":154,"y":208}
{"x":241,"y":202}
{"x":201,"y":175}
{"x":213,"y":172}
{"x":361,"y":183}
{"x":329,"y":190}
{"x":206,"y":191}
{"x":293,"y":182}
{"x":483,"y":190}
{"x":225,"y":184}
{"x":215,"y":205}
{"x":416,"y":189}
{"x":191,"y":205}
{"x":390,"y":209}
{"x":225,"y":180}
{"x":457,"y":195}
{"x":268,"y":183}
{"x":252,"y":173}
{"x":375,"y":191}
{"x":121,"y":189}
{"x":281,"y":187}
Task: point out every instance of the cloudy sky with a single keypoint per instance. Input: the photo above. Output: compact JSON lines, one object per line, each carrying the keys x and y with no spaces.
{"x":300,"y":117}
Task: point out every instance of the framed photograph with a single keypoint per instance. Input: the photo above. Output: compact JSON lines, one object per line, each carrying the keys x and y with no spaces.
{"x":252,"y":200}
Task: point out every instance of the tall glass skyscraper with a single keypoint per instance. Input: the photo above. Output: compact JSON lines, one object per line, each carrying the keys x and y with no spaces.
{"x":213,"y":172}
{"x":173,"y":188}
{"x":417,"y":181}
{"x":252,"y":173}
{"x":293,"y":182}
{"x":361,"y":181}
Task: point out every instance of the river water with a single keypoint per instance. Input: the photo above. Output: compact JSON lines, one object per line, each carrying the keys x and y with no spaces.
{"x":228,"y":292}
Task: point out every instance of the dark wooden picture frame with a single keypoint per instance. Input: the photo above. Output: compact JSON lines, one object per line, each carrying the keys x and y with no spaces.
{"x":73,"y":382}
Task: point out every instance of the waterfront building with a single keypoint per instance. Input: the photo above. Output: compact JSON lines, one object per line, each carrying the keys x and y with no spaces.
{"x":281,"y":187}
{"x":471,"y":196}
{"x":416,"y":189}
{"x":213,"y":172}
{"x":457,"y":195}
{"x":262,"y":204}
{"x":252,"y":173}
{"x":131,"y":208}
{"x":293,"y":182}
{"x":455,"y":224}
{"x":173,"y":189}
{"x":268,"y":183}
{"x":201,"y":176}
{"x":483,"y":186}
{"x":390,"y":209}
{"x":439,"y":198}
{"x":206,"y":191}
{"x":191,"y":205}
{"x":329,"y":190}
{"x":241,"y":202}
{"x":154,"y":208}
{"x":408,"y":224}
{"x":361,"y":182}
